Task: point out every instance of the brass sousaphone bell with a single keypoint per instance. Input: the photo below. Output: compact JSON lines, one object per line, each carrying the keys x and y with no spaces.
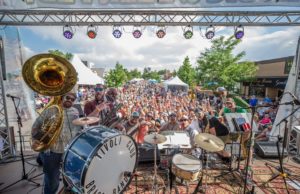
{"x":49,"y":75}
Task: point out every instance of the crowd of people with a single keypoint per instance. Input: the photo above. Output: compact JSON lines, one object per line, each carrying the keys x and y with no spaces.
{"x":147,"y":107}
{"x":143,"y":108}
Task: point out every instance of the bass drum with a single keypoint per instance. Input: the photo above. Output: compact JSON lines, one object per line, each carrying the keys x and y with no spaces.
{"x":100,"y":160}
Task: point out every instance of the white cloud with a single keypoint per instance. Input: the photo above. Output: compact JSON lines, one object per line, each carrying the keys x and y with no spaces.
{"x":28,"y":52}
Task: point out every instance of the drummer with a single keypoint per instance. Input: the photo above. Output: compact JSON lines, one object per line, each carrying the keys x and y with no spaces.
{"x":217,"y":128}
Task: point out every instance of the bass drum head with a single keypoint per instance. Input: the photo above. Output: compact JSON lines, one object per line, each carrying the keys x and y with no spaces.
{"x":110,"y":169}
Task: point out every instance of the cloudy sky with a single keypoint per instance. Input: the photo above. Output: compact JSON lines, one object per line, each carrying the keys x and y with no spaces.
{"x":259,"y":43}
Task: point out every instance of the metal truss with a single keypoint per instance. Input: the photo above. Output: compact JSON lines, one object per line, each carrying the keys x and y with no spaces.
{"x":5,"y":135}
{"x":147,"y":18}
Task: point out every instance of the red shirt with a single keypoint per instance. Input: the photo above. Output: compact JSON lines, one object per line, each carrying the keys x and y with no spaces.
{"x":142,"y":132}
{"x":89,"y":107}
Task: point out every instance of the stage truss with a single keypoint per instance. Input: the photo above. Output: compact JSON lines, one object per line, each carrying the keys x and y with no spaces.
{"x":136,"y":18}
{"x":147,"y":18}
{"x":6,"y":149}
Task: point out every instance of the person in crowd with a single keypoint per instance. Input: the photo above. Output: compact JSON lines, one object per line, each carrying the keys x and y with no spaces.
{"x":97,"y":107}
{"x":52,"y":157}
{"x":130,"y":126}
{"x":142,"y":132}
{"x":184,"y":122}
{"x":172,"y":124}
{"x":265,"y":120}
{"x":253,"y":100}
{"x":111,"y":95}
{"x":230,"y":107}
{"x":267,"y":100}
{"x":265,"y":134}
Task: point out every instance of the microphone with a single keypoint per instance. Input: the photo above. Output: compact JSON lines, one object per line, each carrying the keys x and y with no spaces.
{"x":295,"y":99}
{"x":11,"y":96}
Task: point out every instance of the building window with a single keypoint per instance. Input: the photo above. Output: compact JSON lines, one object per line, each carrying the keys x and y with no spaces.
{"x":257,"y":90}
{"x":288,"y":66}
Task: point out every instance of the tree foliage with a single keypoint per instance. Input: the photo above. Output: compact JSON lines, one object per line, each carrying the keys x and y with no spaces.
{"x":67,"y":55}
{"x":186,"y":72}
{"x":135,"y":73}
{"x":149,"y":74}
{"x":116,"y":77}
{"x":218,"y":66}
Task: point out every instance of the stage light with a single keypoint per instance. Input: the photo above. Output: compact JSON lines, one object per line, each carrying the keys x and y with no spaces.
{"x":188,"y":32}
{"x":160,"y":33}
{"x":117,"y":33}
{"x":137,"y":33}
{"x":239,"y":32}
{"x":68,"y":32}
{"x":210,"y":32}
{"x":92,"y":31}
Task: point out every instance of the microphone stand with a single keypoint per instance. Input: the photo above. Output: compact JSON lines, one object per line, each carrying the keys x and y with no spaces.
{"x":250,"y":146}
{"x":281,"y":169}
{"x":25,"y":175}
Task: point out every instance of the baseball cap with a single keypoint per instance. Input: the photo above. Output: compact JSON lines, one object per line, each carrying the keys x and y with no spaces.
{"x":135,"y":114}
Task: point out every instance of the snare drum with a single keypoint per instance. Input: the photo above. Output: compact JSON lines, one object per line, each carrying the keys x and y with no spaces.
{"x":99,"y":160}
{"x":186,"y":166}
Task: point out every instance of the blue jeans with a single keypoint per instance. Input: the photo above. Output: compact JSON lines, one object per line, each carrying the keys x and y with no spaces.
{"x":51,"y":165}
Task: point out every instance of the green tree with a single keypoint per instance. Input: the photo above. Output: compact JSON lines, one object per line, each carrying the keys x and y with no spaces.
{"x":116,"y":77}
{"x":186,"y":72}
{"x":162,"y":72}
{"x":218,"y":66}
{"x":148,"y":74}
{"x":174,"y":73}
{"x":135,"y":73}
{"x":67,"y":55}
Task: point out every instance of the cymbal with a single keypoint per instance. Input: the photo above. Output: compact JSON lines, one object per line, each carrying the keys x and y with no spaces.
{"x":85,"y":121}
{"x":209,"y":142}
{"x":155,"y":138}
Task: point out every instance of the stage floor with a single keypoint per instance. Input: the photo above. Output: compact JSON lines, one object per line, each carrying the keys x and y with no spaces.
{"x":11,"y":172}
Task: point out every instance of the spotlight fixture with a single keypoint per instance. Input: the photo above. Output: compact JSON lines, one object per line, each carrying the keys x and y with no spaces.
{"x":137,"y":33}
{"x":117,"y":33}
{"x":68,"y":32}
{"x":239,"y":32}
{"x":188,"y":32}
{"x":161,"y":32}
{"x":92,"y":31}
{"x":210,"y":32}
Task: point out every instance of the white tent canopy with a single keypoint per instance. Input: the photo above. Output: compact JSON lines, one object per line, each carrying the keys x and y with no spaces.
{"x":175,"y":84}
{"x":136,"y":80}
{"x":85,"y":75}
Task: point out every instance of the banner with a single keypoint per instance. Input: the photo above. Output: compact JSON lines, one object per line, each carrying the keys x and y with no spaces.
{"x":141,"y":4}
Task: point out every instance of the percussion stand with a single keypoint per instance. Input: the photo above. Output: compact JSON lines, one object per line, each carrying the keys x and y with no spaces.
{"x":20,"y":125}
{"x":204,"y":163}
{"x":237,"y":169}
{"x":155,"y":167}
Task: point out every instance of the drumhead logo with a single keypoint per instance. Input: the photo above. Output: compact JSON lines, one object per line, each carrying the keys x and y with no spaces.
{"x":120,"y":153}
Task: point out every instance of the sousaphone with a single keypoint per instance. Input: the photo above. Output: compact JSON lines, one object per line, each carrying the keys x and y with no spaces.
{"x":49,"y":75}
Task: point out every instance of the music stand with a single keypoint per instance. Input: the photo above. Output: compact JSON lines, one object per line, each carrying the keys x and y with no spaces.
{"x":281,"y":169}
{"x":25,"y":175}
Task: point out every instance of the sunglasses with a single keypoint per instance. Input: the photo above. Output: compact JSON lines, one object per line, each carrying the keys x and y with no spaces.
{"x":183,"y":120}
{"x":70,"y":98}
